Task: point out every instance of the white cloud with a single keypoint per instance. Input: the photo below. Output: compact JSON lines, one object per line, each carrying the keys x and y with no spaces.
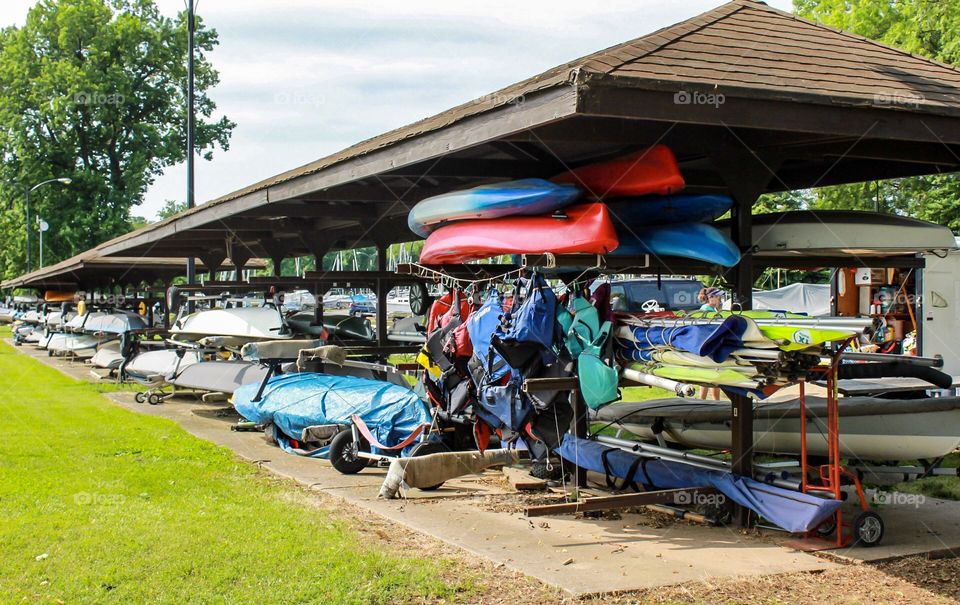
{"x":305,"y":78}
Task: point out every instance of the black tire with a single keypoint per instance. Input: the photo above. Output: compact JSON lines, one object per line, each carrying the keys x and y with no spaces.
{"x":140,"y":397}
{"x":343,"y":453}
{"x":425,"y":448}
{"x":826,"y":529}
{"x":154,"y":399}
{"x":552,"y":470}
{"x":867,"y":529}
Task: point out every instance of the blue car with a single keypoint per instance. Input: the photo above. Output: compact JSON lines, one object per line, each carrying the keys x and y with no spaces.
{"x":362,"y":307}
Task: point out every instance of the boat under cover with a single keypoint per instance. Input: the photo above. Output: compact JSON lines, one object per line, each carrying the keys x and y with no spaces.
{"x":82,"y":345}
{"x":793,"y":511}
{"x":160,"y":365}
{"x":871,"y":428}
{"x":117,"y":322}
{"x":246,"y":323}
{"x":293,"y":402}
{"x":221,"y":376}
{"x":844,"y":233}
{"x":108,"y":356}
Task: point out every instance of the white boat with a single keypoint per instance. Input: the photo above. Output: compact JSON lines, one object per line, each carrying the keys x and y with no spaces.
{"x":117,"y":322}
{"x":844,"y":233}
{"x":238,"y":324}
{"x":160,"y":365}
{"x":31,"y":317}
{"x":77,"y":322}
{"x":108,"y":356}
{"x":78,"y":345}
{"x":219,"y":376}
{"x":871,"y":429}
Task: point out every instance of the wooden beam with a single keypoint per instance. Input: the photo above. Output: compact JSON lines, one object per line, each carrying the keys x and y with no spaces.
{"x":618,"y":501}
{"x":747,"y":109}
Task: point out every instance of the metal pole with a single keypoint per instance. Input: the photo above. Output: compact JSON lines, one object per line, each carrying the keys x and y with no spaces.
{"x":191,"y":269}
{"x":26,"y":197}
{"x":40,"y":228}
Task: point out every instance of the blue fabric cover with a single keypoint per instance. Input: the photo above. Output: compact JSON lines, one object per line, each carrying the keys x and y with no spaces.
{"x":536,"y":318}
{"x":481,"y":325}
{"x":793,"y":511}
{"x":716,"y":341}
{"x":295,"y":401}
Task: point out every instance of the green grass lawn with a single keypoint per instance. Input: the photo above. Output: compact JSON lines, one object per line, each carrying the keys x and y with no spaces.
{"x":102,"y":505}
{"x":936,"y":487}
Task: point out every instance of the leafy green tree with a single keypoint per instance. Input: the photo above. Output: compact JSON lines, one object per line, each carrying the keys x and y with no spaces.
{"x":930,"y":28}
{"x":170,"y":208}
{"x":95,"y":90}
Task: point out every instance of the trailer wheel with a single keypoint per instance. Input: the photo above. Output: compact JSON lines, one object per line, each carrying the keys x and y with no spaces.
{"x":425,"y":448}
{"x":343,"y":453}
{"x":140,"y":397}
{"x":827,"y":528}
{"x":867,"y":529}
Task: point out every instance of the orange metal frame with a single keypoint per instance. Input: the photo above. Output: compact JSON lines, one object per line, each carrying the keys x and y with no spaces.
{"x":830,"y":475}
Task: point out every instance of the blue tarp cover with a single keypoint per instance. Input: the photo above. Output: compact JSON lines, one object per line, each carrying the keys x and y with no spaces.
{"x":714,"y":340}
{"x":295,"y":401}
{"x":793,"y":511}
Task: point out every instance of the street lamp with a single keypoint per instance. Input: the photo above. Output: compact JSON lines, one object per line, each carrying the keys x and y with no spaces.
{"x":26,"y":197}
{"x":42,"y":226}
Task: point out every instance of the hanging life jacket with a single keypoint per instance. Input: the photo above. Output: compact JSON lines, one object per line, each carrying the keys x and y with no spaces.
{"x":530,"y":329}
{"x":486,"y":365}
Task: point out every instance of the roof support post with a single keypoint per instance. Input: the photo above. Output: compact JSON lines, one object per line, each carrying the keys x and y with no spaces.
{"x":747,"y":178}
{"x":239,"y":255}
{"x":212,"y":259}
{"x":383,"y":288}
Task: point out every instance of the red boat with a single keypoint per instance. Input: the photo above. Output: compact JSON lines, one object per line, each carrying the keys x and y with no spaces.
{"x":581,"y":229}
{"x":652,"y":170}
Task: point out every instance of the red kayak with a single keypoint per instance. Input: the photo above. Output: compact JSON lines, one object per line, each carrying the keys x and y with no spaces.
{"x":652,"y":170}
{"x":581,"y":229}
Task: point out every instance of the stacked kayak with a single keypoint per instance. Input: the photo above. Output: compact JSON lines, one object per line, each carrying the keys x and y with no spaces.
{"x":627,"y":206}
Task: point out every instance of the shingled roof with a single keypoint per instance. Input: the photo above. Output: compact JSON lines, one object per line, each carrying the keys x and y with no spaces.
{"x":743,"y":46}
{"x":748,"y":46}
{"x":778,"y":73}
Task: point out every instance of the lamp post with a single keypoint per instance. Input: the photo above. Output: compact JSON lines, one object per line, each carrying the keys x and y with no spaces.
{"x":42,"y":226}
{"x":26,"y":197}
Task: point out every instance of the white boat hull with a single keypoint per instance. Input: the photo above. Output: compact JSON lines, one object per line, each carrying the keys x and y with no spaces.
{"x":923,"y":428}
{"x":251,"y":323}
{"x":161,"y":365}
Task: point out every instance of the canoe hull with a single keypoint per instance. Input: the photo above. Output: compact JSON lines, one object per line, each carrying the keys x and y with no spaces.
{"x":636,"y":213}
{"x":695,"y":241}
{"x":585,"y":229}
{"x":524,"y":197}
{"x":652,"y":170}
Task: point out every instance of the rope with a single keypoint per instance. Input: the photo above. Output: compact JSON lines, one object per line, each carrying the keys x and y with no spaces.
{"x":448,"y":280}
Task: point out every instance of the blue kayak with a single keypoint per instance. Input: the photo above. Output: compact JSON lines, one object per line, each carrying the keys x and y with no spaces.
{"x":647,"y":211}
{"x":695,"y":241}
{"x":523,"y":197}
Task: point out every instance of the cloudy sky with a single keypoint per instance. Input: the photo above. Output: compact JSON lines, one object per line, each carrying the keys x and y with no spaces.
{"x":305,"y":78}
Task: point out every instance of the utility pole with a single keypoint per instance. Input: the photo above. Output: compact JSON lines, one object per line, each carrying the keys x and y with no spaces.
{"x":191,"y":202}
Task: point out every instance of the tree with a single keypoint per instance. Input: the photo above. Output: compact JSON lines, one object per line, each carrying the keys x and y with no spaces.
{"x":170,"y":208}
{"x":95,"y":90}
{"x":930,"y":28}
